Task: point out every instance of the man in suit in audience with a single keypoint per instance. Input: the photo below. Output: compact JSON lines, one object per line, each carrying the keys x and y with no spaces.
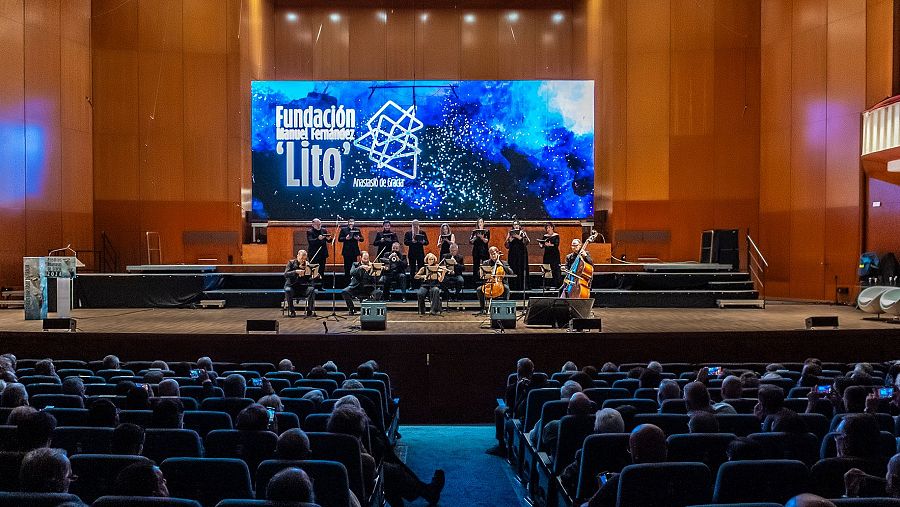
{"x":647,"y":444}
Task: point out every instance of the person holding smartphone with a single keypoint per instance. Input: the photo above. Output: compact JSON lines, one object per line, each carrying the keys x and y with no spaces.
{"x":647,"y":444}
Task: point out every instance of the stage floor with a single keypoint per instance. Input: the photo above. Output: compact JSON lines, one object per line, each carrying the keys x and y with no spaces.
{"x":777,"y":316}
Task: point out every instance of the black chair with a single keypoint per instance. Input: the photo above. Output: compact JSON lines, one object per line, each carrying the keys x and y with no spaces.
{"x":739,"y":424}
{"x":343,"y":449}
{"x":143,"y":501}
{"x":49,"y":388}
{"x":817,"y":424}
{"x":707,"y":448}
{"x":97,"y":473}
{"x":99,"y":390}
{"x":199,"y":394}
{"x":73,"y":372}
{"x":204,"y":421}
{"x":647,"y":393}
{"x":187,"y":402}
{"x":161,"y":444}
{"x":642,"y":406}
{"x":290,"y":376}
{"x":673,"y":406}
{"x":299,"y":392}
{"x":671,"y":424}
{"x":36,"y":499}
{"x":604,"y":452}
{"x":797,"y":446}
{"x":143,"y":418}
{"x":56,"y":400}
{"x":261,"y":368}
{"x":207,"y":480}
{"x":669,"y":484}
{"x":631,"y":384}
{"x":253,"y":447}
{"x":329,"y":479}
{"x":69,"y":416}
{"x":774,"y":480}
{"x":232,"y":406}
{"x":82,"y":440}
{"x":109,"y":374}
{"x":39,"y":379}
{"x":298,"y":406}
{"x":315,"y":422}
{"x":286,"y":421}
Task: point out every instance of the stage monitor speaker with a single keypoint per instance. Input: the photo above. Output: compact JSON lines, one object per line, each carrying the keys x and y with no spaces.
{"x":826,"y":321}
{"x":720,"y":246}
{"x":503,"y":314}
{"x":373,"y":316}
{"x":584,"y":324}
{"x":556,"y":312}
{"x":60,"y":325}
{"x":262,"y":326}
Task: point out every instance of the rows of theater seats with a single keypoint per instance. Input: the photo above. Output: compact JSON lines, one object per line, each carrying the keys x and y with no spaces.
{"x":208,"y":462}
{"x":698,"y":468}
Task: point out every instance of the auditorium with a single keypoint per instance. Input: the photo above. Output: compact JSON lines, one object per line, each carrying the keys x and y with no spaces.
{"x":506,"y":253}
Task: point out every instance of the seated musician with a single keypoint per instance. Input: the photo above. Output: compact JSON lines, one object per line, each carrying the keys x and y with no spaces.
{"x":454,"y":279}
{"x":298,"y":279}
{"x":576,"y":246}
{"x":431,"y":276}
{"x":492,"y":262}
{"x":362,"y":284}
{"x":395,"y":272}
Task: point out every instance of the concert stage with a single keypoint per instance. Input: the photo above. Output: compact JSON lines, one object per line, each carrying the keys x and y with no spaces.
{"x":448,"y":369}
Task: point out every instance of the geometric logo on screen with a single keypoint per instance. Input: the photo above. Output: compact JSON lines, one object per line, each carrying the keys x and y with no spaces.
{"x":390,"y":140}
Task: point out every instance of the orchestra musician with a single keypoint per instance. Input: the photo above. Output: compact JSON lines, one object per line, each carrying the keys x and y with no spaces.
{"x":350,"y":237}
{"x":492,"y":262}
{"x":550,"y":244}
{"x":361,"y":285}
{"x":384,"y":239}
{"x":479,"y":240}
{"x":454,"y":279}
{"x":517,"y":245}
{"x":576,"y":246}
{"x":317,"y":238}
{"x":415,"y":240}
{"x":395,"y":266}
{"x":298,"y":280}
{"x":446,"y":239}
{"x":431,"y":276}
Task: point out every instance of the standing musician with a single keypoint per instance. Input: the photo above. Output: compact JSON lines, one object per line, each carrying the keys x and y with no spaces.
{"x":415,"y":240}
{"x":453,"y":279}
{"x":494,"y":260}
{"x":479,"y":240}
{"x":576,"y":245}
{"x":431,"y":276}
{"x":446,"y":239}
{"x":384,"y":239}
{"x":298,"y":279}
{"x":517,"y":244}
{"x":395,"y":266}
{"x":361,"y":285}
{"x":351,"y":237}
{"x":317,"y":237}
{"x":550,"y":244}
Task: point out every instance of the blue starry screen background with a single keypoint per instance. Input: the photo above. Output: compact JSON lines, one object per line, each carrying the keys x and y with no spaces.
{"x":492,"y":149}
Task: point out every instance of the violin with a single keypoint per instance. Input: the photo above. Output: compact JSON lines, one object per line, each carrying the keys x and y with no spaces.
{"x":493,"y":283}
{"x":578,"y":279}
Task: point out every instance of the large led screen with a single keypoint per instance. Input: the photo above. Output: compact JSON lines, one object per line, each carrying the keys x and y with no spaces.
{"x":439,"y":150}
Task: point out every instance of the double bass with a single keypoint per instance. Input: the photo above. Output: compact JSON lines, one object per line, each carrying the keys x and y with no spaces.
{"x":577,"y":282}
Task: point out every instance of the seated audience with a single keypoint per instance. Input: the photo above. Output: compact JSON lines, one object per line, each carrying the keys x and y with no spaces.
{"x":569,"y":366}
{"x":579,"y":404}
{"x":808,"y":500}
{"x":168,"y":414}
{"x":13,"y":396}
{"x":771,"y":403}
{"x":102,"y":413}
{"x":285,"y":365}
{"x":141,"y":479}
{"x":647,"y":444}
{"x":235,"y":386}
{"x":293,"y":444}
{"x":138,"y":398}
{"x":45,"y":367}
{"x":45,"y":470}
{"x":159,"y":365}
{"x":206,"y":364}
{"x":111,"y":362}
{"x":703,"y":422}
{"x":317,"y":373}
{"x":73,"y":386}
{"x":128,"y":439}
{"x":668,"y":390}
{"x":168,"y":388}
{"x":858,"y":436}
{"x":696,"y":397}
{"x":365,"y":371}
{"x":732,"y":388}
{"x":35,"y":430}
{"x":609,"y":367}
{"x":272,"y":401}
{"x":19,"y":414}
{"x":860,"y":484}
{"x":290,"y":485}
{"x":745,"y":449}
{"x":254,"y":417}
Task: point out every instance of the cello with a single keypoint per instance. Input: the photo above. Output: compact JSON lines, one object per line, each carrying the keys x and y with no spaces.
{"x":579,"y":276}
{"x":493,"y":283}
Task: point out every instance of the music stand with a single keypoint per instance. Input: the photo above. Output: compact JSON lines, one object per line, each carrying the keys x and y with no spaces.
{"x":546,"y":272}
{"x":377,"y":269}
{"x":313,"y":274}
{"x":333,"y":314}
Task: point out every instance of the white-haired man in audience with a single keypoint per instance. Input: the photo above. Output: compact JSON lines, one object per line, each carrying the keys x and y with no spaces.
{"x":668,"y":390}
{"x":655,"y":366}
{"x":606,"y":420}
{"x":568,"y":389}
{"x":579,"y":404}
{"x":285,"y":365}
{"x":168,"y":388}
{"x":732,"y":388}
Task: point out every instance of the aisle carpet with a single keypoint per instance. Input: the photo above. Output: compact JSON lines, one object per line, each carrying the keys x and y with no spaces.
{"x":473,"y":477}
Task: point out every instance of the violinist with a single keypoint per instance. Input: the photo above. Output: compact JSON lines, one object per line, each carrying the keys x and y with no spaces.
{"x":576,"y":246}
{"x":395,"y":266}
{"x":550,"y":243}
{"x":415,"y":240}
{"x":517,"y":245}
{"x":479,"y":240}
{"x":350,"y":236}
{"x":317,"y":237}
{"x":431,"y":276}
{"x":384,"y":239}
{"x":298,"y":279}
{"x":446,"y":239}
{"x":494,"y":263}
{"x":453,"y":279}
{"x":362,"y":284}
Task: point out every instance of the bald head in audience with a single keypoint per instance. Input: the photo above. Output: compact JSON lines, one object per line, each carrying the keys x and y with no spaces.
{"x":732,"y":388}
{"x":579,"y":404}
{"x":808,"y":500}
{"x":648,"y":444}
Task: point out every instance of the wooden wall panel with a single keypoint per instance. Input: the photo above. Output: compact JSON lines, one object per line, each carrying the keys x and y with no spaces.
{"x":517,"y":35}
{"x":479,"y":51}
{"x":367,"y":43}
{"x":400,"y":43}
{"x":438,"y":60}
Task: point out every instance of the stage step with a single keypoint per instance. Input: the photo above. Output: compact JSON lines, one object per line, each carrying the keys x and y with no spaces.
{"x":741,"y":303}
{"x":732,"y":285}
{"x":212,"y":303}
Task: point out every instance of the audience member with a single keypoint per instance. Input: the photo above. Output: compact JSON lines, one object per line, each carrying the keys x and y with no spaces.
{"x":590,"y":371}
{"x":771,"y":403}
{"x":365,"y":371}
{"x":608,"y":420}
{"x":45,"y":367}
{"x":744,"y":449}
{"x":569,"y":366}
{"x":580,"y":405}
{"x":703,"y":422}
{"x":13,"y":396}
{"x":45,"y":470}
{"x":272,"y":401}
{"x":855,"y":399}
{"x":808,"y":500}
{"x":141,"y":479}
{"x":168,"y":388}
{"x":352,"y":383}
{"x":138,"y":398}
{"x":35,"y":430}
{"x":330,"y":367}
{"x":206,"y":364}
{"x":317,"y":373}
{"x":128,"y":439}
{"x":668,"y":390}
{"x":732,"y":388}
{"x":285,"y":365}
{"x":293,"y":444}
{"x":858,"y":436}
{"x":749,"y":379}
{"x":515,"y":398}
{"x":19,"y":414}
{"x":315,"y":396}
{"x":647,"y":444}
{"x":650,"y":378}
{"x":859,"y":484}
{"x":159,"y":365}
{"x":235,"y":386}
{"x":102,"y":413}
{"x":569,"y":388}
{"x":168,"y":414}
{"x":73,"y":386}
{"x":153,"y":377}
{"x":609,"y":367}
{"x":655,"y":366}
{"x":696,"y":397}
{"x":254,"y":417}
{"x":111,"y":362}
{"x":290,"y":485}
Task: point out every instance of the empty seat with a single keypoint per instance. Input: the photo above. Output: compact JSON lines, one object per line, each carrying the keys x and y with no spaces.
{"x":160,"y":444}
{"x":207,"y":480}
{"x":315,"y":422}
{"x":204,"y":421}
{"x":869,"y":299}
{"x":108,"y":374}
{"x":328,"y":385}
{"x":600,"y":394}
{"x":285,"y":421}
{"x":251,"y":446}
{"x":797,"y":446}
{"x":56,"y":401}
{"x":298,"y":406}
{"x":36,"y":499}
{"x":247,"y":374}
{"x":647,"y":393}
{"x":232,"y":406}
{"x":200,"y":393}
{"x":39,"y":379}
{"x":671,"y":424}
{"x":97,"y":473}
{"x":290,"y":376}
{"x":73,"y":372}
{"x":82,"y":440}
{"x":63,"y":364}
{"x":642,"y":406}
{"x":260,"y":368}
{"x":669,"y":484}
{"x":631,"y":384}
{"x":760,"y":481}
{"x":41,"y":388}
{"x":707,"y":448}
{"x":142,"y":418}
{"x":345,"y":450}
{"x":604,"y":452}
{"x":329,"y":479}
{"x":143,"y":501}
{"x":739,"y":424}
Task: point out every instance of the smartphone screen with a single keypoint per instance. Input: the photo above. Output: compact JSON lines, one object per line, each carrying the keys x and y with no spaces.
{"x":256,"y":382}
{"x":823,"y":389}
{"x":885,"y":392}
{"x":604,"y":478}
{"x":714,"y":370}
{"x":271,"y":411}
{"x":195,"y":373}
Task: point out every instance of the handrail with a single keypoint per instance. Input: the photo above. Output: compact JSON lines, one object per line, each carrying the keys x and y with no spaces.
{"x":108,"y":261}
{"x":756,"y":249}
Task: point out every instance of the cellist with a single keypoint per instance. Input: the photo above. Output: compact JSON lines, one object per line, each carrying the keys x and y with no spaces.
{"x":576,"y":246}
{"x":493,"y":262}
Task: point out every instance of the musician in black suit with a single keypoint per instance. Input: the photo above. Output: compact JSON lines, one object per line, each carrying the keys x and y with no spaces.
{"x":384,"y":239}
{"x":479,"y":241}
{"x":298,"y":280}
{"x":361,"y":285}
{"x":415,"y":240}
{"x":394,"y":273}
{"x":317,"y":237}
{"x":576,"y":246}
{"x":494,"y":253}
{"x":550,"y":244}
{"x":453,"y":280}
{"x":350,"y":237}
